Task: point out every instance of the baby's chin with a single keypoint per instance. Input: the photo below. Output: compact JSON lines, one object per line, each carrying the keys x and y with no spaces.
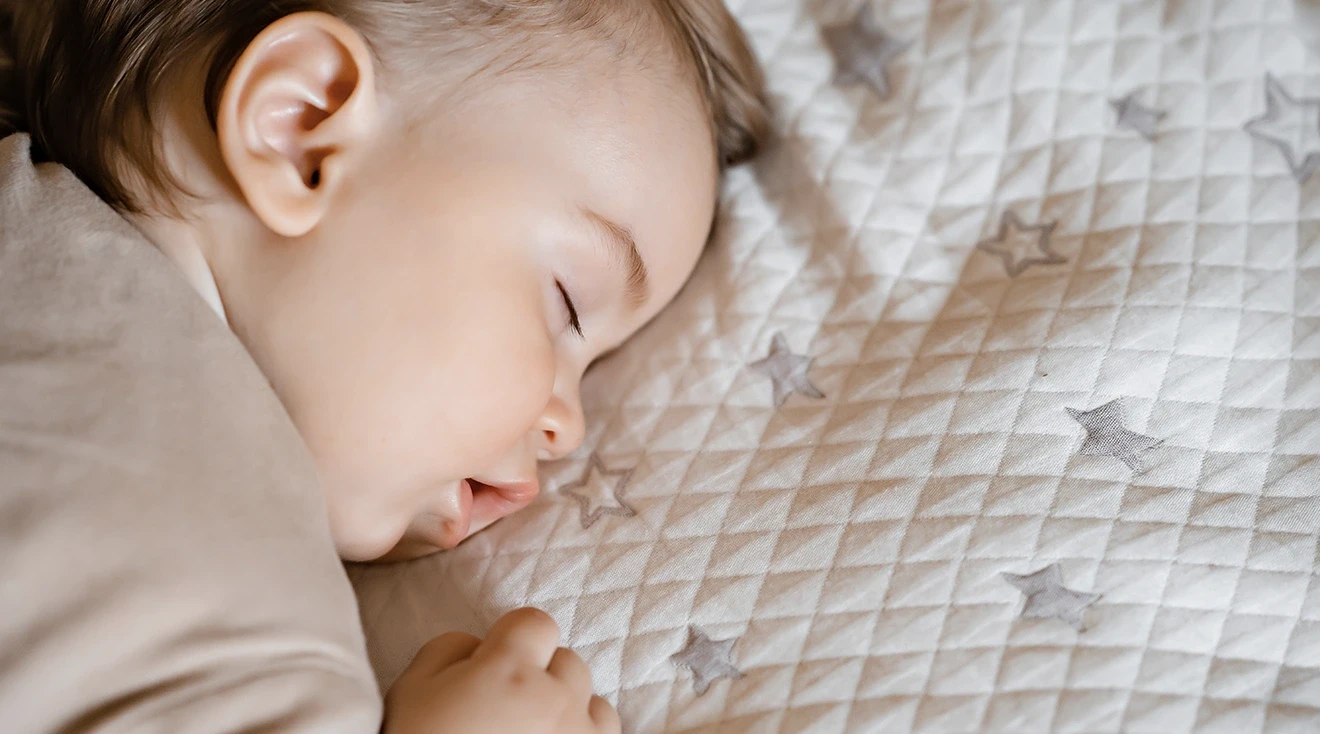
{"x":354,"y":548}
{"x":436,"y":519}
{"x":406,"y":548}
{"x":410,"y":548}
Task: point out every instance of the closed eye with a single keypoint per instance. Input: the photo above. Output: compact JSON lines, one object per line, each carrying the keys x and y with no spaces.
{"x":574,"y":322}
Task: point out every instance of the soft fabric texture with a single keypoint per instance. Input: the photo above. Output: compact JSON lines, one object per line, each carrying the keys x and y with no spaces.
{"x":165,"y":560}
{"x":954,"y":267}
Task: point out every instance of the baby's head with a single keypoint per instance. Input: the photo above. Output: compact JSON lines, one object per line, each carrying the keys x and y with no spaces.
{"x":425,"y":218}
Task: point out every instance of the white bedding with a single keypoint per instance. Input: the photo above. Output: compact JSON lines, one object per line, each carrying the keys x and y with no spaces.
{"x":1121,"y":392}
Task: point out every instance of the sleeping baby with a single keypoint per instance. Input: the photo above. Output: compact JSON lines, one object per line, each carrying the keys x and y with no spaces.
{"x":285,"y":279}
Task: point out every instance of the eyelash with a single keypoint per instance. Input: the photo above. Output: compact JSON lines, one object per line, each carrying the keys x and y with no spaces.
{"x":573,"y":322}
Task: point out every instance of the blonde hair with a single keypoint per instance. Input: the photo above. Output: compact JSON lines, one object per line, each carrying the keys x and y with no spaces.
{"x":83,"y":76}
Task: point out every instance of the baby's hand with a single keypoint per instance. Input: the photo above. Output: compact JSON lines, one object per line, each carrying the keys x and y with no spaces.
{"x":517,"y":680}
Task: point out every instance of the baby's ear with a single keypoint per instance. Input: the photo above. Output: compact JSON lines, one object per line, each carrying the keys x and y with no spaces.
{"x":299,"y":104}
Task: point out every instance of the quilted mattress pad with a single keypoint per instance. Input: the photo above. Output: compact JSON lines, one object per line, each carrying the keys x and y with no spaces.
{"x":994,"y":406}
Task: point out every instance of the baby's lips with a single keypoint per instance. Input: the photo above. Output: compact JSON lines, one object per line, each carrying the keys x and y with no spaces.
{"x":519,"y":494}
{"x":493,"y":501}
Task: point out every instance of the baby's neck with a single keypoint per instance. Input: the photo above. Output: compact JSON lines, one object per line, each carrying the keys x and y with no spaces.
{"x":189,"y":234}
{"x":192,"y":233}
{"x":182,"y":245}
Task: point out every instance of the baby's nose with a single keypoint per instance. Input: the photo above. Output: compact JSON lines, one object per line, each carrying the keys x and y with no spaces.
{"x":560,"y":428}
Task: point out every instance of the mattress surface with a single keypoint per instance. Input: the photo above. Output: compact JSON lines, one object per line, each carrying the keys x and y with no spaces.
{"x":994,"y":406}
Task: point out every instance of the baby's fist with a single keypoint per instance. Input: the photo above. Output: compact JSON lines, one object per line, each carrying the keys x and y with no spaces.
{"x":517,"y":680}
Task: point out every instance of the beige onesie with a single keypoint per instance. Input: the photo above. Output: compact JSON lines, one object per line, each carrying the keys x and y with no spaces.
{"x":165,"y":560}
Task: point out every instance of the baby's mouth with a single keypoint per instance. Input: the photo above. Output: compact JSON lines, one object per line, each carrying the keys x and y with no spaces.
{"x":476,"y":489}
{"x":491,"y":501}
{"x":477,"y":485}
{"x":473,"y":506}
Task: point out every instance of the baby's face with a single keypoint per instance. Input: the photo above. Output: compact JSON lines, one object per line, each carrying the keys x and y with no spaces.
{"x":429,"y":338}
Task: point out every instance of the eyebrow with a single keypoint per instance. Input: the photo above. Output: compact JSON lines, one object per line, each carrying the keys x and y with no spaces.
{"x":620,"y":241}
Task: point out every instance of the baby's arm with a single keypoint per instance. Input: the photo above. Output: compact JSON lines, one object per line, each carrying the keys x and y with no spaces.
{"x":517,"y":680}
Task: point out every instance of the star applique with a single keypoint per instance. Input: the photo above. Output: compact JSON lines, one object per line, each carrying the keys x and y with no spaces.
{"x":1106,"y":436}
{"x":1292,"y":125}
{"x":709,"y":660}
{"x":600,"y":492}
{"x":1047,"y":596}
{"x":1018,"y":248}
{"x":862,"y":51}
{"x":1136,"y":116}
{"x":787,"y":371}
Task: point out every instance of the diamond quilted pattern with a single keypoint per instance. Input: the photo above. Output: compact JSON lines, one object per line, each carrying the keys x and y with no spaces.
{"x":853,"y":539}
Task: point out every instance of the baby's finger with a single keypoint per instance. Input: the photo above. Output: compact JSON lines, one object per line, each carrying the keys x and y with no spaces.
{"x":529,"y":635}
{"x":442,"y":652}
{"x":568,"y":667}
{"x":604,"y":716}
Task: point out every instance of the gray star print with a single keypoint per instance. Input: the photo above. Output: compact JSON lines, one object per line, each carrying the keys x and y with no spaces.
{"x":1134,"y":115}
{"x":1106,"y":436}
{"x":1047,"y":596}
{"x":862,"y":51}
{"x":1292,"y":125}
{"x":600,"y":492}
{"x":1018,"y":249}
{"x":787,"y":371}
{"x":709,"y":660}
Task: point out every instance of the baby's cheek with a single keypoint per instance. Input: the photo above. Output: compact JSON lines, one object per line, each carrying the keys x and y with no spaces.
{"x":499,"y":400}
